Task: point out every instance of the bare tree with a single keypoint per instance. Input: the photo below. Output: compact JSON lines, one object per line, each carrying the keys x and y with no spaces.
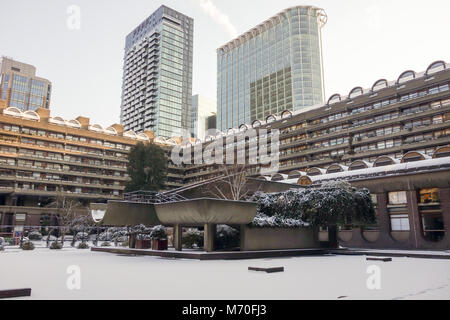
{"x":232,"y":185}
{"x":68,"y":210}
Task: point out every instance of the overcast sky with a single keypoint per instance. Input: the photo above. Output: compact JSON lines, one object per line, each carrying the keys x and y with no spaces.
{"x":363,"y":41}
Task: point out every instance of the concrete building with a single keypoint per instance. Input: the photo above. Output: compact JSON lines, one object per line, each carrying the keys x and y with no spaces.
{"x":273,"y":67}
{"x":202,"y":109}
{"x":157,"y":74}
{"x":43,"y":157}
{"x":390,"y":119}
{"x":21,"y":88}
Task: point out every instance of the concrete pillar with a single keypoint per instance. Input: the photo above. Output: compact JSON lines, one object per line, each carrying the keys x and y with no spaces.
{"x":209,"y":237}
{"x":177,"y":237}
{"x":415,"y":223}
{"x":444,"y":195}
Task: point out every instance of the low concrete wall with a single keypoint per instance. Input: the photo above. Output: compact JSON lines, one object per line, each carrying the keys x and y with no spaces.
{"x":253,"y":239}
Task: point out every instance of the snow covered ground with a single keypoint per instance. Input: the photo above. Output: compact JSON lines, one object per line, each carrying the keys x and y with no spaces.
{"x":110,"y":276}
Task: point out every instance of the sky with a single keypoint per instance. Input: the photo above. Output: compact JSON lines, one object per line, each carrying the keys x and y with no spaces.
{"x":363,"y":41}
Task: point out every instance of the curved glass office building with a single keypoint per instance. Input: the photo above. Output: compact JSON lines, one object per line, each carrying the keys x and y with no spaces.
{"x":275,"y":66}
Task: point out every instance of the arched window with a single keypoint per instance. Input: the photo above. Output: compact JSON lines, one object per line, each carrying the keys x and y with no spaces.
{"x":406,"y":76}
{"x":358,"y":165}
{"x":279,"y":177}
{"x":355,"y":92}
{"x":380,"y":84}
{"x":295,"y":174}
{"x":286,"y":114}
{"x":131,"y":134}
{"x":335,"y":98}
{"x":142,"y":136}
{"x":315,"y":171}
{"x":336,"y":168}
{"x":442,"y":152}
{"x":271,"y":118}
{"x":31,"y":115}
{"x":414,"y":156}
{"x":256,"y":123}
{"x":111,"y":130}
{"x":384,"y":161}
{"x":57,"y":120}
{"x":73,"y":123}
{"x":12,"y":111}
{"x":436,"y":67}
{"x":304,"y":181}
{"x":96,"y":128}
{"x":243,"y":127}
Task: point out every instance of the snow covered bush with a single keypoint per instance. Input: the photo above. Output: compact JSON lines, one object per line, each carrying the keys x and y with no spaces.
{"x":106,"y":244}
{"x":82,"y":236}
{"x":83,"y":245}
{"x":27,"y":245}
{"x":193,"y":238}
{"x":56,"y":245}
{"x":226,"y":237}
{"x":2,"y":241}
{"x":34,"y":235}
{"x":159,"y":233}
{"x":114,"y":234}
{"x":2,"y":248}
{"x":334,"y":203}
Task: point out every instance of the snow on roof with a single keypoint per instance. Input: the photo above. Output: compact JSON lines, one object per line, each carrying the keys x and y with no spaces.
{"x":374,"y":170}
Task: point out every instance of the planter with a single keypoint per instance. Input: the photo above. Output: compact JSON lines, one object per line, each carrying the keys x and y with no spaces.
{"x":345,"y":235}
{"x":159,"y":245}
{"x":400,"y":236}
{"x":371,"y":235}
{"x":143,"y":244}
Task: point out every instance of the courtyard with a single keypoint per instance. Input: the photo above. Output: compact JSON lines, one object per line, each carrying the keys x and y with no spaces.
{"x":107,"y":276}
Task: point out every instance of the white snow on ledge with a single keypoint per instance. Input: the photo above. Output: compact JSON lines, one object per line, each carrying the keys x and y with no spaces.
{"x":390,"y":169}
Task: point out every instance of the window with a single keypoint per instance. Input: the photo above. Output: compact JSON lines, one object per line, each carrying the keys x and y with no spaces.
{"x":398,"y":197}
{"x":429,"y":195}
{"x":400,"y":222}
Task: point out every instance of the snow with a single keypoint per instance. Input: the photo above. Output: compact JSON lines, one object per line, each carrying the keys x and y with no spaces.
{"x":110,"y":276}
{"x":390,"y":169}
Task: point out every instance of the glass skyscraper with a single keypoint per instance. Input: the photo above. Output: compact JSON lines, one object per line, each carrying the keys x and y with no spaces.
{"x":20,"y":86}
{"x":275,"y":66}
{"x":157,"y":77}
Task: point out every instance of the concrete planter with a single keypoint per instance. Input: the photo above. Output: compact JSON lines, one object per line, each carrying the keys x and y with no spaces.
{"x":345,"y":235}
{"x":143,"y":244}
{"x":400,"y":236}
{"x":254,"y":239}
{"x":159,"y":245}
{"x":371,"y":235}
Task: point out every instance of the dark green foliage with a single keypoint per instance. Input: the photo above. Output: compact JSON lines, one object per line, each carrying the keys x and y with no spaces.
{"x":226,"y":237}
{"x":333,"y":204}
{"x":147,"y":168}
{"x":83,"y":245}
{"x":27,"y":245}
{"x":193,"y":239}
{"x":159,"y":233}
{"x":56,"y":245}
{"x":34,"y":235}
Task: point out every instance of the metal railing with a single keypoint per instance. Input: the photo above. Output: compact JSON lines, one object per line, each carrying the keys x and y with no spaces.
{"x":151,"y":197}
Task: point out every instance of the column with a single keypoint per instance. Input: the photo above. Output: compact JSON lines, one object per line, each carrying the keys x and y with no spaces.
{"x":209,"y":237}
{"x":177,"y":236}
{"x":444,"y":195}
{"x":414,"y":217}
